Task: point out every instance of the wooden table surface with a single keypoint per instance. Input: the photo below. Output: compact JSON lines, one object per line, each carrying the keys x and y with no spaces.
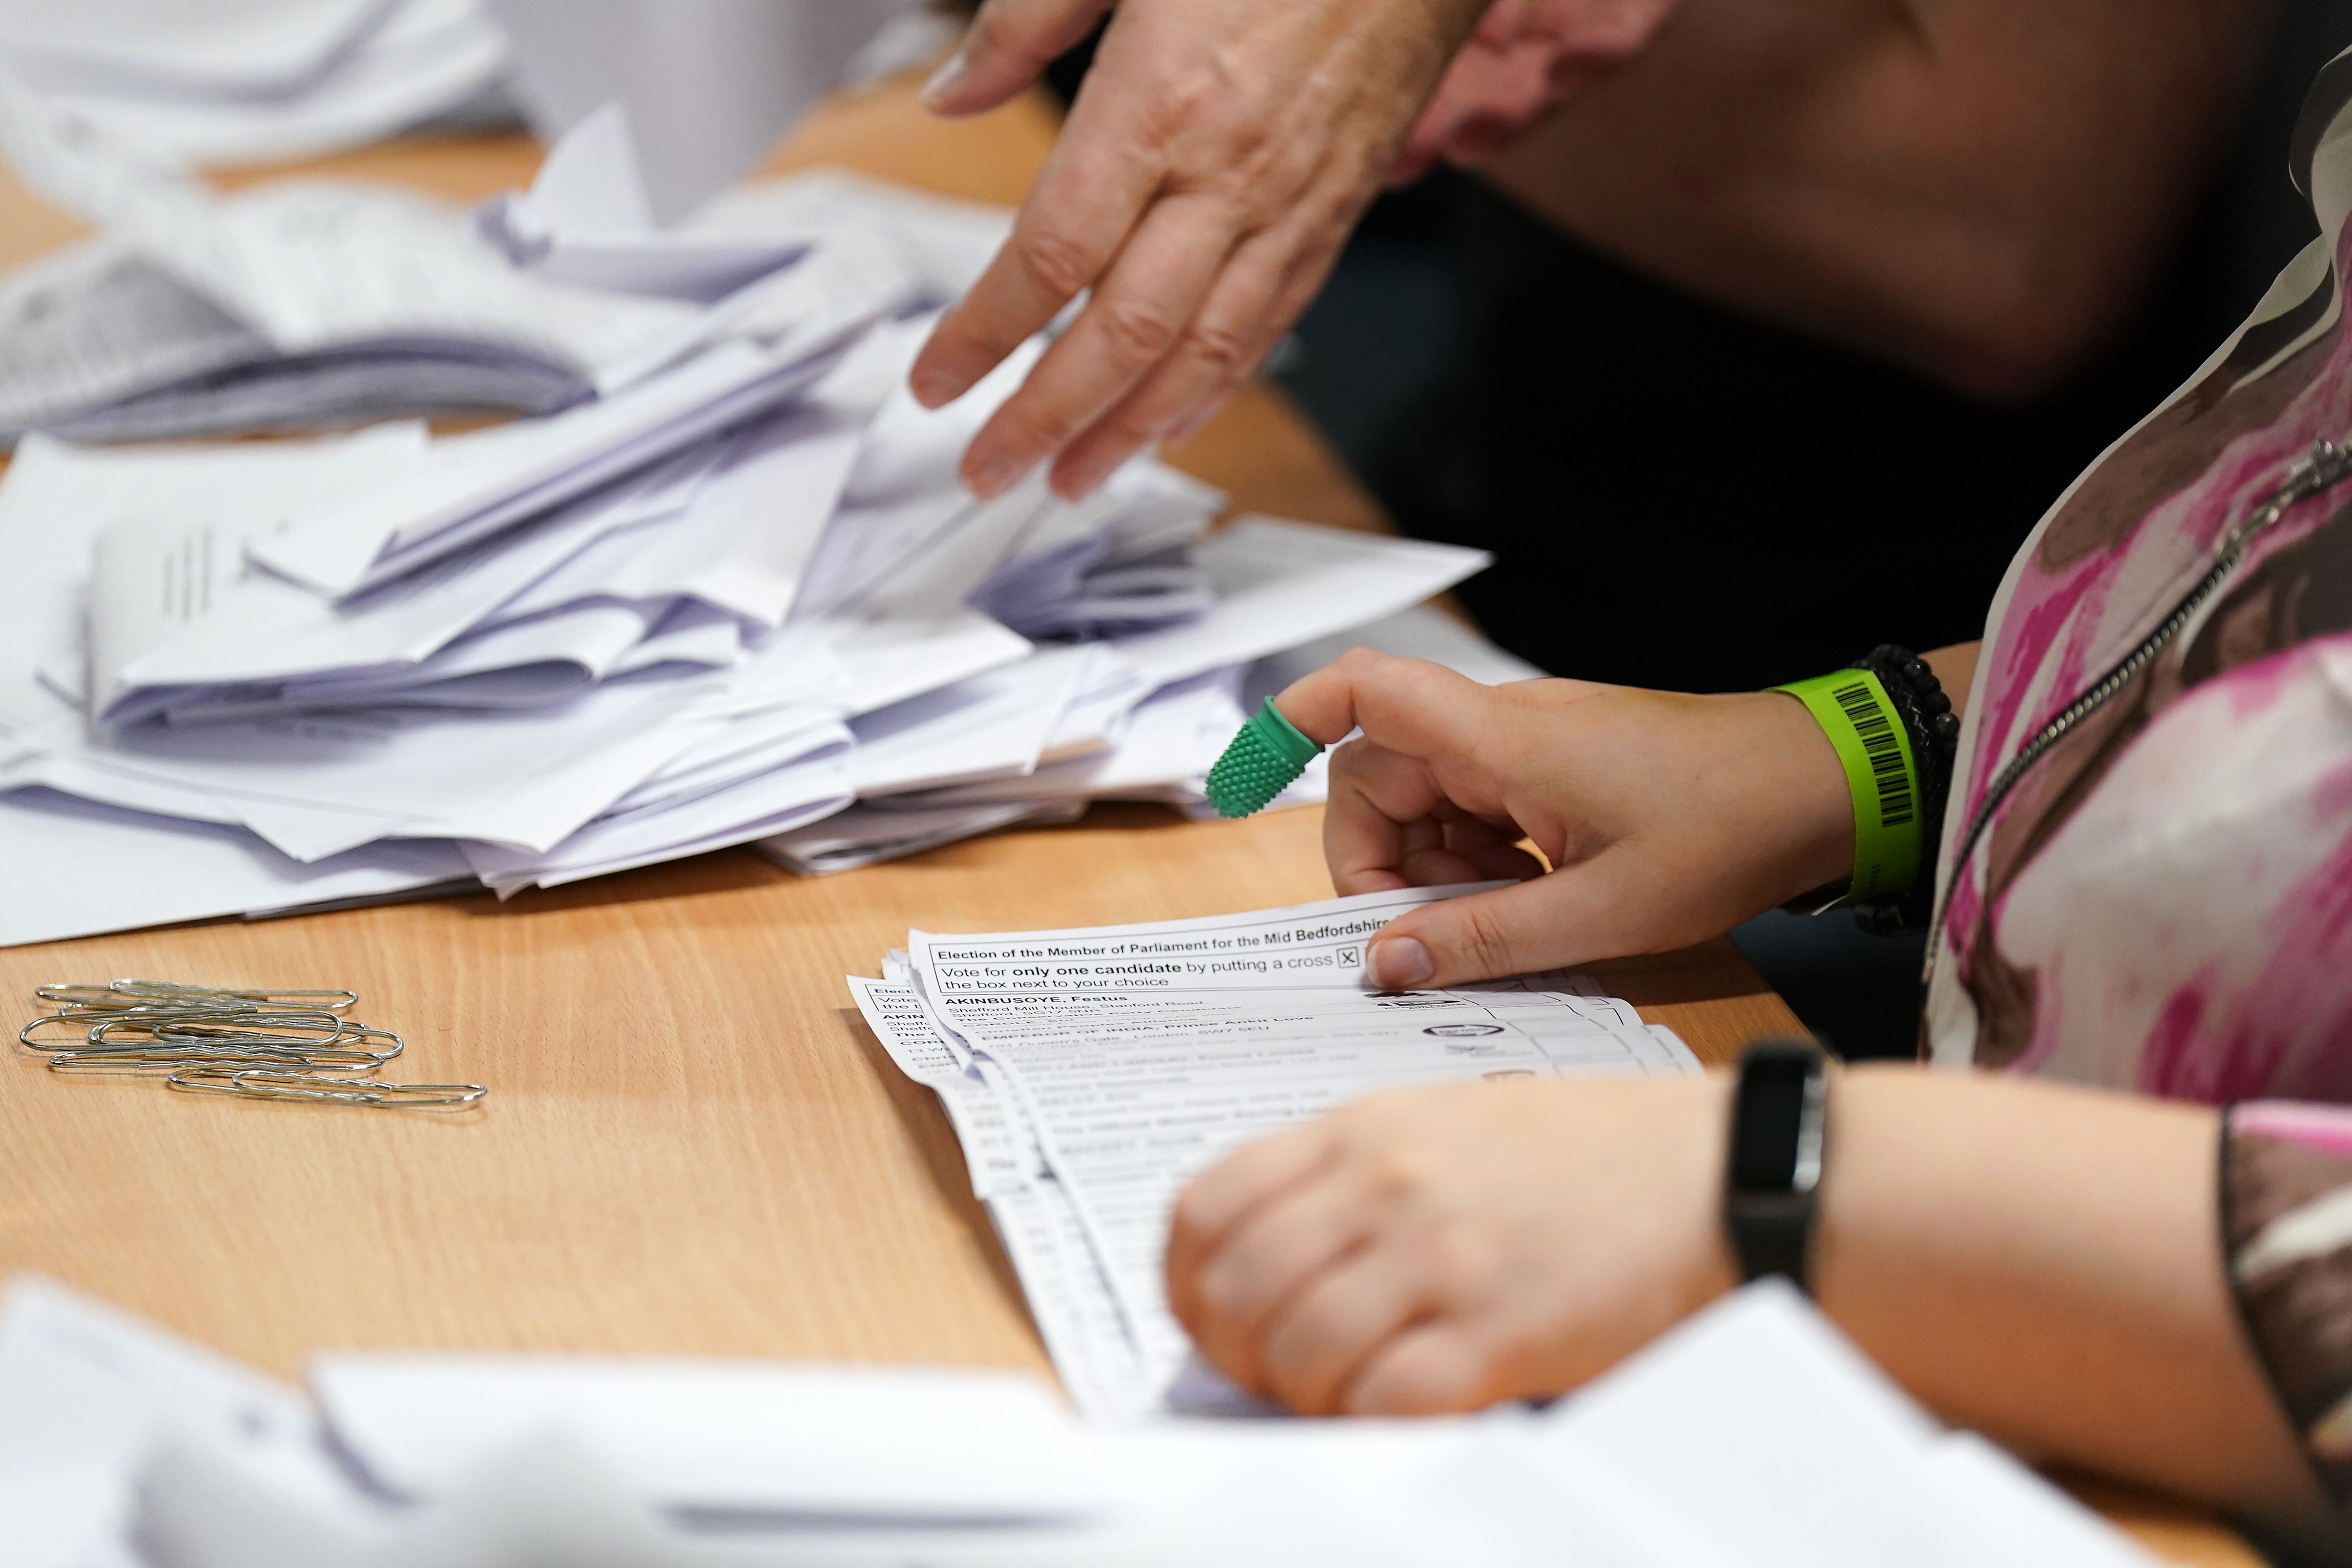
{"x":692,"y":1144}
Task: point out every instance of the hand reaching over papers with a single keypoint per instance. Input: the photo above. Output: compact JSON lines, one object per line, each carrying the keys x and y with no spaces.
{"x":1205,"y":181}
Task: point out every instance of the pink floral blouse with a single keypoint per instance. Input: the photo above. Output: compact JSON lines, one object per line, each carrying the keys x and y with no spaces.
{"x":2159,"y":897}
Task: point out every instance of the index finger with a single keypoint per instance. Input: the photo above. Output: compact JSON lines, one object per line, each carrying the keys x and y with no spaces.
{"x":1076,"y":219}
{"x":1406,"y":705}
{"x":1139,"y":311}
{"x":1008,"y":46}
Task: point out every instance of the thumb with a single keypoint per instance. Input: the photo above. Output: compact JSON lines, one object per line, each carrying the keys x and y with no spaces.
{"x":1567,"y":916}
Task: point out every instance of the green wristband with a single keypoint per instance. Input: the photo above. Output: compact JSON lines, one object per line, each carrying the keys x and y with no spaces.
{"x":1853,"y":709}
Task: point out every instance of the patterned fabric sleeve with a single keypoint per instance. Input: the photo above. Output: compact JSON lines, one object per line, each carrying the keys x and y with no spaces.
{"x":2287,"y":1220}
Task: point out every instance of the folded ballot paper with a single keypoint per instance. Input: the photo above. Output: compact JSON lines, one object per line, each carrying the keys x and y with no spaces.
{"x":240,"y":81}
{"x":249,"y":82}
{"x":300,"y":303}
{"x":304,"y":303}
{"x":706,"y":101}
{"x":1753,"y":1436}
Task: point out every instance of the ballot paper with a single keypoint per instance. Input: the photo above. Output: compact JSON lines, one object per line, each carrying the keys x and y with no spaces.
{"x":303,"y":302}
{"x":236,"y":81}
{"x":811,"y":786}
{"x":476,"y":487}
{"x":314,"y":271}
{"x":81,"y":868}
{"x":1276,"y":584}
{"x":705,"y":103}
{"x":864,"y":835}
{"x":703,"y":1436}
{"x":1111,"y":745}
{"x":85,"y":1392}
{"x":991,"y":725}
{"x":631,"y":675}
{"x":1094,"y":1072}
{"x":945,"y":243}
{"x":298,"y":303}
{"x":1752,"y":1435}
{"x":1150,"y":726}
{"x":1421,"y":632}
{"x":569,"y":594}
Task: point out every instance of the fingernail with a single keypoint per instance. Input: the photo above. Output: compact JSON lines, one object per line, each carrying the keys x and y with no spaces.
{"x":1400,"y":963}
{"x":993,"y":478}
{"x":1183,"y":428}
{"x":935,"y":388}
{"x":944,"y":79}
{"x":1078,"y":483}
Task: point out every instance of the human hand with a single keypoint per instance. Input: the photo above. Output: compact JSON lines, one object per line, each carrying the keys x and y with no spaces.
{"x":1667,"y":818}
{"x":1525,"y":57}
{"x":1207,"y":176}
{"x":1446,"y":1249}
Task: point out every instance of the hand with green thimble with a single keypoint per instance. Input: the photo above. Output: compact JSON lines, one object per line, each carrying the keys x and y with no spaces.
{"x":1263,"y":760}
{"x":1601,"y":820}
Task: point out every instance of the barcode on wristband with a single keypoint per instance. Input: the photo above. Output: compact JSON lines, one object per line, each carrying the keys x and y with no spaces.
{"x":1879,"y":742}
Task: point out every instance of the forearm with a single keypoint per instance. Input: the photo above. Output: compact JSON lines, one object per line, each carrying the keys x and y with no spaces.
{"x":1979,"y":189}
{"x":2041,"y":1264}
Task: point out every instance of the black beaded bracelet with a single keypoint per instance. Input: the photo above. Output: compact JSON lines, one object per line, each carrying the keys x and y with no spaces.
{"x":1926,"y":710}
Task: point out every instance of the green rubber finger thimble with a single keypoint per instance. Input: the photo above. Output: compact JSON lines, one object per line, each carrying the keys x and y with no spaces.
{"x":1260,"y":763}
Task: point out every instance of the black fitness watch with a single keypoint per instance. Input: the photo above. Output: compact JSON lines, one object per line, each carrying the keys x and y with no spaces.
{"x":1780,"y":1116}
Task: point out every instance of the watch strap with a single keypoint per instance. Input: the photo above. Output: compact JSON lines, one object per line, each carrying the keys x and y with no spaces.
{"x":1778,"y":1136}
{"x":1769,"y":1243}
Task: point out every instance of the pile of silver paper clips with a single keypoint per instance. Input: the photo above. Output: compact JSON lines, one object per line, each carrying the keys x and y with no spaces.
{"x":258,"y":1043}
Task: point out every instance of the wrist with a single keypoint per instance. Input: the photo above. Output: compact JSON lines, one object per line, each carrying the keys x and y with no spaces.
{"x":1711,"y":1265}
{"x":1812,"y":794}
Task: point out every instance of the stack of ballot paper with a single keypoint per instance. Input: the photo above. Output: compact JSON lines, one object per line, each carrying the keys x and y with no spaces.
{"x":231,"y":81}
{"x":727,"y":590}
{"x":725,"y":602}
{"x":1752,"y":1436}
{"x":1089,"y":1073}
